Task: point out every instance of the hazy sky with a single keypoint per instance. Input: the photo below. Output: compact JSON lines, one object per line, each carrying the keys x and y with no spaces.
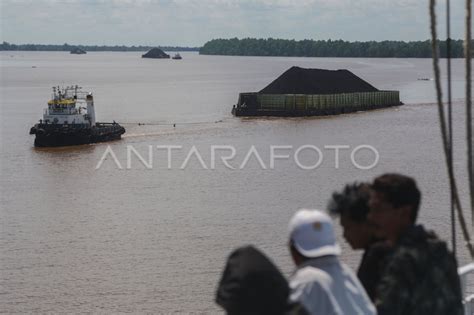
{"x":193,"y":22}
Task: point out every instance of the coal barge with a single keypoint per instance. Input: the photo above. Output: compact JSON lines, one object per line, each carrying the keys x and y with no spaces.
{"x":314,"y":92}
{"x":69,"y":119}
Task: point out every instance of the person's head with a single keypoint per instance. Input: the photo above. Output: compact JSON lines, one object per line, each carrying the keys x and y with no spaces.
{"x":352,"y":207}
{"x":394,"y":203}
{"x":252,"y":284}
{"x":311,"y":235}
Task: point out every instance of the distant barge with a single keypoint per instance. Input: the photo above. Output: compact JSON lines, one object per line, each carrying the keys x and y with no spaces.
{"x":78,"y":51}
{"x":314,"y":92}
{"x":66,"y":122}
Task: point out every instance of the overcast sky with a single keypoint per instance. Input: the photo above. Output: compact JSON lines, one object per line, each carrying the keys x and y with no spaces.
{"x":194,"y":22}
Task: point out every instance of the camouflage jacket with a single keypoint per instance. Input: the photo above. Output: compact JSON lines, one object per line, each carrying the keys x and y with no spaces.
{"x":420,"y":277}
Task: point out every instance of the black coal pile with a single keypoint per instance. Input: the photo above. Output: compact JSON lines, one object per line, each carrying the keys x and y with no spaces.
{"x":298,"y":80}
{"x":156,"y":53}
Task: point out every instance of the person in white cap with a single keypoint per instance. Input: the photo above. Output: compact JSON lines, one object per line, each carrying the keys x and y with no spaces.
{"x":321,"y":283}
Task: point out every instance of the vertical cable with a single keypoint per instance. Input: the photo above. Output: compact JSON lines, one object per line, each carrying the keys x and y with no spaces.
{"x":450,"y":119}
{"x":467,"y":56}
{"x":444,"y":131}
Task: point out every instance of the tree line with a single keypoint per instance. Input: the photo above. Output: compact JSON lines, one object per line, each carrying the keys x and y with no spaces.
{"x":327,"y":48}
{"x":67,"y":47}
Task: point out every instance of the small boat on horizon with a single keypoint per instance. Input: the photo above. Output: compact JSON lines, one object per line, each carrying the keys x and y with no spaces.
{"x":177,"y":56}
{"x":78,"y":51}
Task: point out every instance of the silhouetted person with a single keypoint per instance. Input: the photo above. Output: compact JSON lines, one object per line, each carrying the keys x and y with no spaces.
{"x":421,"y":275}
{"x":352,"y":207}
{"x":321,"y":283}
{"x":252,"y":285}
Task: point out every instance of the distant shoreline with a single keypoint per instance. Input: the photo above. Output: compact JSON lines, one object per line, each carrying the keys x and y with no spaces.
{"x":328,"y":48}
{"x":276,"y":48}
{"x":5,"y":46}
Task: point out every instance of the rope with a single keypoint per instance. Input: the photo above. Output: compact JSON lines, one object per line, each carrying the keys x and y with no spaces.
{"x":446,"y":148}
{"x":168,"y":123}
{"x":450,"y":120}
{"x":467,"y":56}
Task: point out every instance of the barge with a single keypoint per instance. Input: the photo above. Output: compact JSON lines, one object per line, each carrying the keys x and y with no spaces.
{"x":314,"y":92}
{"x":69,"y":119}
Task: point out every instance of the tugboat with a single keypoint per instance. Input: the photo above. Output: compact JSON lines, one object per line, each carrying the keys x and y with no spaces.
{"x":177,"y":56}
{"x":67,"y":122}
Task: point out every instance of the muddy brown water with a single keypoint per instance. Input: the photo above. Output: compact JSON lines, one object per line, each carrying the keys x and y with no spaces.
{"x":74,"y":238}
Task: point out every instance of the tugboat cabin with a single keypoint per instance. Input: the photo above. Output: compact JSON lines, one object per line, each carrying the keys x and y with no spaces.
{"x":65,"y":108}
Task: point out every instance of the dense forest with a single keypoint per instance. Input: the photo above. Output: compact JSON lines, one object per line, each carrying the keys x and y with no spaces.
{"x":67,"y":47}
{"x":327,"y":48}
{"x":278,"y":47}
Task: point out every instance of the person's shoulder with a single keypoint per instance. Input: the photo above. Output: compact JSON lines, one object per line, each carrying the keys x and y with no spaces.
{"x":421,"y":248}
{"x":311,"y":287}
{"x":310,"y":274}
{"x":419,"y":240}
{"x":418,"y":235}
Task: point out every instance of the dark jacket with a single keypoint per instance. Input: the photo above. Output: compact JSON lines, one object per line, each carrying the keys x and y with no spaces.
{"x":251,"y":285}
{"x":372,"y":265}
{"x":420,"y":277}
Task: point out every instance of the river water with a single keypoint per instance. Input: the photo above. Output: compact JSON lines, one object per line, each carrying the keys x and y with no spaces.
{"x":82,"y":231}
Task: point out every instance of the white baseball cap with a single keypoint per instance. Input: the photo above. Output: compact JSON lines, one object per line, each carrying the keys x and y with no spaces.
{"x":312,"y":234}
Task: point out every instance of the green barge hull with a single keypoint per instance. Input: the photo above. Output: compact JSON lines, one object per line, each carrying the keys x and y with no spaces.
{"x":291,"y":105}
